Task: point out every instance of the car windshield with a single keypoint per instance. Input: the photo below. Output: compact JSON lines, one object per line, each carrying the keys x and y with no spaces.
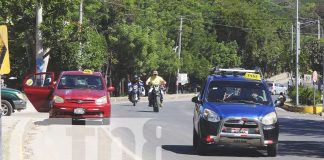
{"x":80,"y":82}
{"x":238,"y":92}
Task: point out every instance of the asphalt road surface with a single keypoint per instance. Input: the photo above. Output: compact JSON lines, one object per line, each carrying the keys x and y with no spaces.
{"x":139,"y":133}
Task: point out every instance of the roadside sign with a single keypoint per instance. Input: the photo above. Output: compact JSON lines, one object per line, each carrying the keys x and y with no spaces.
{"x":183,"y":78}
{"x":4,"y":50}
{"x":314,"y":76}
{"x":307,"y":79}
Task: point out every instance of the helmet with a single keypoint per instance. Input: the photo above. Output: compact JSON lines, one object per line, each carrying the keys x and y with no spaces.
{"x":135,"y":78}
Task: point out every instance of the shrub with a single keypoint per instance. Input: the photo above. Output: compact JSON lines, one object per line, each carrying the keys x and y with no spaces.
{"x":306,"y":95}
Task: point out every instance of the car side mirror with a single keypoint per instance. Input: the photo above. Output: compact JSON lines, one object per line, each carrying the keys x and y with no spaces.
{"x":195,"y":99}
{"x":111,"y":89}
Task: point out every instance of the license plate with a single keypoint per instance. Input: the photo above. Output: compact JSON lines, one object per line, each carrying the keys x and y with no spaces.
{"x":240,"y":130}
{"x":238,"y":140}
{"x":79,"y":111}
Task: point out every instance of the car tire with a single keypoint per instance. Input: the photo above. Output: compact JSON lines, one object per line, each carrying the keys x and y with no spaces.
{"x":194,"y":139}
{"x":272,"y":150}
{"x":6,"y":108}
{"x":199,"y":145}
{"x":105,"y":121}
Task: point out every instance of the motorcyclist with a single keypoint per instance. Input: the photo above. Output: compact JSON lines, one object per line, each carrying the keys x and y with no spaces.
{"x":135,"y":81}
{"x":155,"y":80}
{"x":281,"y":99}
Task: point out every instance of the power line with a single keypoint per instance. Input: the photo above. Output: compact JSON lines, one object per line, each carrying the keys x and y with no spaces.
{"x":244,"y":28}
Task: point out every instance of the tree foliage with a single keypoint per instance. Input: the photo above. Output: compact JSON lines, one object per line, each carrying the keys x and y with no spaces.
{"x":130,"y":37}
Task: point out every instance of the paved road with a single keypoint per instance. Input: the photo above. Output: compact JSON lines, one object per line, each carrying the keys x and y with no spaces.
{"x":139,"y":133}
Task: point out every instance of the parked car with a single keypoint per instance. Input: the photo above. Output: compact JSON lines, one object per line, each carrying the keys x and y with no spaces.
{"x":12,"y":100}
{"x":234,"y":108}
{"x":276,"y":88}
{"x":76,"y":94}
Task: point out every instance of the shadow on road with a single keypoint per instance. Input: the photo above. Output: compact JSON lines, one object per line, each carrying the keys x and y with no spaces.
{"x":305,"y":129}
{"x":66,"y":121}
{"x":215,"y":151}
{"x":128,"y":105}
{"x":302,"y":148}
{"x":146,"y":111}
{"x":302,"y":127}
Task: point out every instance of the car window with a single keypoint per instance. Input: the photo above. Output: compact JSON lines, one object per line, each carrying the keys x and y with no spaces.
{"x":238,"y":92}
{"x":39,"y":80}
{"x":80,"y":82}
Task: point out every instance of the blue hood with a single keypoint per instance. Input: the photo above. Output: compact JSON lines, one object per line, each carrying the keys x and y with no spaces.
{"x":239,"y":110}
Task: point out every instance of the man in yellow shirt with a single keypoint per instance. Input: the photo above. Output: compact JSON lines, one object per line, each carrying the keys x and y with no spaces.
{"x":155,"y":80}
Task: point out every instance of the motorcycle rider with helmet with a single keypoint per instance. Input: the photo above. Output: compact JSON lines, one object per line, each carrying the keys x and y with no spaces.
{"x":135,"y":81}
{"x":155,"y":80}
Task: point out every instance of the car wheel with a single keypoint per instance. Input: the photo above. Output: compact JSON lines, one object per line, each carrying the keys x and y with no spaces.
{"x":272,"y":150}
{"x":199,"y":145}
{"x":194,"y":139}
{"x":6,"y":108}
{"x":105,"y":121}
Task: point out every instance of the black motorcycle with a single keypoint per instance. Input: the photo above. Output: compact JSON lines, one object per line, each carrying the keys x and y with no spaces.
{"x":134,"y":94}
{"x":155,"y":98}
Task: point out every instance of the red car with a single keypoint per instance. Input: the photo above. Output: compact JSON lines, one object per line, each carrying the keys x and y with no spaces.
{"x":76,"y":94}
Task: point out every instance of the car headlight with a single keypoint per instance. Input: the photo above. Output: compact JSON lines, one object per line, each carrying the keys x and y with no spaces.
{"x":101,"y":100}
{"x":20,"y":95}
{"x":58,"y":99}
{"x":211,"y":116}
{"x":269,"y":119}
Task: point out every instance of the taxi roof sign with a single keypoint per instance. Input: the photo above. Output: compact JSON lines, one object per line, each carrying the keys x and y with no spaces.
{"x":4,"y":50}
{"x":87,"y":71}
{"x":253,"y":76}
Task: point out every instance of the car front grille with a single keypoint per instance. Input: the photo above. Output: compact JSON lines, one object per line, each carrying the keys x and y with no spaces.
{"x":238,"y":123}
{"x":79,"y":101}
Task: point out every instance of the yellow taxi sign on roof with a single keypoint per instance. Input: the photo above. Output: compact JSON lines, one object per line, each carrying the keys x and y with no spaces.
{"x":87,"y":71}
{"x":253,"y":76}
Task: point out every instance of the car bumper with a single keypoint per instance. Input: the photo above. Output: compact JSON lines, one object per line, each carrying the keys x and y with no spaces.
{"x":90,"y":111}
{"x":256,"y":135}
{"x":20,"y":104}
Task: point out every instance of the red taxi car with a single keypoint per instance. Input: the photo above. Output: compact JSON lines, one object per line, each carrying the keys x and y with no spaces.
{"x":76,"y":94}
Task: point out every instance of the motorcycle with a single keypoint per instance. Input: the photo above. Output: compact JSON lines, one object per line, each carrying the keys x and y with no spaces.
{"x":133,"y":90}
{"x":155,"y":98}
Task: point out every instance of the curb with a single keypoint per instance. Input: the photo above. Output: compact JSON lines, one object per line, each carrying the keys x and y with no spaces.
{"x":303,"y":109}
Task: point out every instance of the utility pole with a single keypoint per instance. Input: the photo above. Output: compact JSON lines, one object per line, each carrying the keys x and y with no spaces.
{"x":297,"y":55}
{"x":179,"y":52}
{"x":292,"y":48}
{"x":319,"y":47}
{"x":80,"y":58}
{"x":41,"y":56}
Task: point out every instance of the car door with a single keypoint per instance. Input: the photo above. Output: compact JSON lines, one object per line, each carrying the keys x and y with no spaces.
{"x":38,"y":87}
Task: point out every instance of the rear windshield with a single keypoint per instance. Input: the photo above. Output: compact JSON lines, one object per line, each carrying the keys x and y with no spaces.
{"x":80,"y":82}
{"x":238,"y":92}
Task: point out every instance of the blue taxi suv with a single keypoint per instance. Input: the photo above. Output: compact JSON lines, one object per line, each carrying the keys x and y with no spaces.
{"x":235,"y":108}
